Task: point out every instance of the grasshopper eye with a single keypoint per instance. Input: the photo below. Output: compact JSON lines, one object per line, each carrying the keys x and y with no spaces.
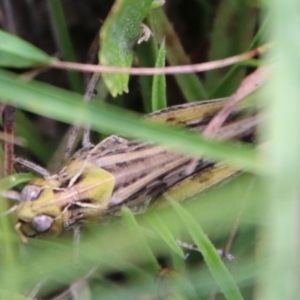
{"x":30,"y":192}
{"x":42,"y":223}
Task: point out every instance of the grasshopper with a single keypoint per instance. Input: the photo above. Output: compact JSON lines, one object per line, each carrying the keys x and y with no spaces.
{"x":98,"y":180}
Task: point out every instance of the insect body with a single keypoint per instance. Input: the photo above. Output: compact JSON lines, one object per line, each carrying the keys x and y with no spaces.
{"x":100,"y":179}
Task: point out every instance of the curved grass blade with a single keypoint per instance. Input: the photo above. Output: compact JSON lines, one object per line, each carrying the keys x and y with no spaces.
{"x":142,"y":245}
{"x":17,"y":53}
{"x":163,"y":231}
{"x":67,"y":106}
{"x":211,"y":257}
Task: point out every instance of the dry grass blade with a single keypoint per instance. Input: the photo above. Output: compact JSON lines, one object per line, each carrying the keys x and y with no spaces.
{"x":8,"y":121}
{"x":12,"y":139}
{"x":202,"y":67}
{"x":248,"y":85}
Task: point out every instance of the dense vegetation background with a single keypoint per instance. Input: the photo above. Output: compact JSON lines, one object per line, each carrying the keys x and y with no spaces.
{"x":139,"y":259}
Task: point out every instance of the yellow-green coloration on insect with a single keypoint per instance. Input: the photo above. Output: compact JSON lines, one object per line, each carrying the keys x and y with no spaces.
{"x":194,"y":184}
{"x":99,"y":180}
{"x":188,"y":113}
{"x":80,"y":191}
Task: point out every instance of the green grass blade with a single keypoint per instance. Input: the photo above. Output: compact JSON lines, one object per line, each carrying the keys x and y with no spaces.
{"x":41,"y":149}
{"x":227,"y":39}
{"x":225,"y":86}
{"x":190,"y":85}
{"x":14,"y":180}
{"x":17,"y":53}
{"x":164,"y":232}
{"x":280,"y":240}
{"x":159,"y":98}
{"x":67,"y":106}
{"x":120,"y":30}
{"x":212,"y":259}
{"x":138,"y":237}
{"x":64,"y":40}
{"x":147,"y":53}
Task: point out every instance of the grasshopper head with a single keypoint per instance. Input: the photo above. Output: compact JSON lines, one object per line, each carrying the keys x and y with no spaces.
{"x":79,"y":193}
{"x":38,"y":215}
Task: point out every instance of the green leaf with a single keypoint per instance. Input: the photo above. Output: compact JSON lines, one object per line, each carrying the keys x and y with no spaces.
{"x":17,"y":53}
{"x":14,"y":180}
{"x":159,"y":98}
{"x":118,"y":33}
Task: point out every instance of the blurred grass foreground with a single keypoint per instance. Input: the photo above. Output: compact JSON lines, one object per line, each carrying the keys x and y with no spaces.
{"x":254,"y":218}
